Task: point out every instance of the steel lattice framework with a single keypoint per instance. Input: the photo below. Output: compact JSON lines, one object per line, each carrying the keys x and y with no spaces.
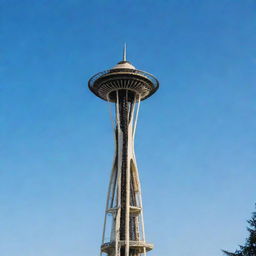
{"x":124,"y":86}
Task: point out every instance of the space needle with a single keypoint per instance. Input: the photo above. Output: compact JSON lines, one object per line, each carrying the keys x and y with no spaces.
{"x":124,"y":87}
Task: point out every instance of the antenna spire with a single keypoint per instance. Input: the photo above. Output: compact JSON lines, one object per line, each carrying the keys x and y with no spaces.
{"x":124,"y":52}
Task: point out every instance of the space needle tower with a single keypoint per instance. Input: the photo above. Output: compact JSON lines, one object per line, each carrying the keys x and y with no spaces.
{"x":124,"y":87}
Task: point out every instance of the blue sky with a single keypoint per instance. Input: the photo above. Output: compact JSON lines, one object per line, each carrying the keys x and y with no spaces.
{"x":195,"y":143}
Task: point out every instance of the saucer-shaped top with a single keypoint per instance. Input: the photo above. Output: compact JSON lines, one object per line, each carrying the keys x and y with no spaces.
{"x":123,"y":76}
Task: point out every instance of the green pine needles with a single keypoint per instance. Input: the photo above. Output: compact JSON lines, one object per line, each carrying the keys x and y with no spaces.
{"x":249,"y":249}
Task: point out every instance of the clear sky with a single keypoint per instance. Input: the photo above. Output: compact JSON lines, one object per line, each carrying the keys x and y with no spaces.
{"x":196,"y":137}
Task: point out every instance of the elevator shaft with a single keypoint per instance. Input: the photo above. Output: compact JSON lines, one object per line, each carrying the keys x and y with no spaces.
{"x":128,"y":225}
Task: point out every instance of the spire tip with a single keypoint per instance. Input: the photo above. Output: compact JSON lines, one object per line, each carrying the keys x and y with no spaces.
{"x":124,"y":52}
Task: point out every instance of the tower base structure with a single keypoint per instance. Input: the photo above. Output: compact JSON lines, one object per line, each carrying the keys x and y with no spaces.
{"x":135,"y":247}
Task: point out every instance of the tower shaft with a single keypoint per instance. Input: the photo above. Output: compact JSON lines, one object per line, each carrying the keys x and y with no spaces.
{"x":124,"y":206}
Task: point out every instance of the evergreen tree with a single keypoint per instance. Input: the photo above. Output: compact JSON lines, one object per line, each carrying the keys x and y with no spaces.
{"x":249,"y":249}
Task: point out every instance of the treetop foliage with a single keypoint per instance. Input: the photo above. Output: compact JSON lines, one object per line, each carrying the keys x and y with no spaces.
{"x":249,"y":249}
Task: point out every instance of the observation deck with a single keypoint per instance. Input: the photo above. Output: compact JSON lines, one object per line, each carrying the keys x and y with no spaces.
{"x":123,"y":76}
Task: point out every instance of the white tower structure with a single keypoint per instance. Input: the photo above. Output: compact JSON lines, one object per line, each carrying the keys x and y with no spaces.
{"x":126,"y":87}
